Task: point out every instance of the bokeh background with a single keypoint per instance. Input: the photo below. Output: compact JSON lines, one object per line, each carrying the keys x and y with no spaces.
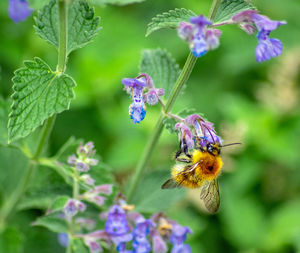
{"x":253,"y":103}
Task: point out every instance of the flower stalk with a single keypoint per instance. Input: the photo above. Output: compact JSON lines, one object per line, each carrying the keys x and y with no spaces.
{"x":153,"y":140}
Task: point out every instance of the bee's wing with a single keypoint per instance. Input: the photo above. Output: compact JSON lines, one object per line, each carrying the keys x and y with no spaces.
{"x":211,"y":196}
{"x":170,"y":184}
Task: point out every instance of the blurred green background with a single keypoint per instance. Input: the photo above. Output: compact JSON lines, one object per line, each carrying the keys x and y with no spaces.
{"x":253,"y":103}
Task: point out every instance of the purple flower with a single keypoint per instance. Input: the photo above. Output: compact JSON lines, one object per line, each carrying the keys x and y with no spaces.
{"x":93,"y":194}
{"x":19,"y":10}
{"x":84,"y":160}
{"x":86,"y":223}
{"x":152,"y":96}
{"x":72,"y":207}
{"x":181,"y":248}
{"x":121,"y":248}
{"x":87,"y":179}
{"x":267,"y":47}
{"x":179,"y":234}
{"x":178,"y":237}
{"x":137,"y":113}
{"x":158,"y":244}
{"x":93,"y":246}
{"x":141,"y":245}
{"x":199,"y":38}
{"x":203,"y":129}
{"x":63,"y":239}
{"x":185,"y":135}
{"x":116,"y":223}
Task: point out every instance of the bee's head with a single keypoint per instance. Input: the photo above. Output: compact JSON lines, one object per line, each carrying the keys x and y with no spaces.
{"x":213,"y":148}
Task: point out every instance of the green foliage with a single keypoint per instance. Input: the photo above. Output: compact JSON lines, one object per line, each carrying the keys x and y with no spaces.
{"x":78,"y":246}
{"x":38,"y":94}
{"x":163,"y":69}
{"x":150,"y":198}
{"x":10,"y":241}
{"x":115,"y":2}
{"x":170,"y":19}
{"x":229,"y":8}
{"x":53,"y":222}
{"x":59,"y":203}
{"x":82,"y":25}
{"x":4,"y":111}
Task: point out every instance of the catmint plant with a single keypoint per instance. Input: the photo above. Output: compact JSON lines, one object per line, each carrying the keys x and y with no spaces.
{"x":95,"y":214}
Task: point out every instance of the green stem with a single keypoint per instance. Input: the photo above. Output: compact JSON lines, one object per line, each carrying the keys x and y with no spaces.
{"x":62,"y":47}
{"x":153,"y":140}
{"x":214,"y":9}
{"x":9,"y":206}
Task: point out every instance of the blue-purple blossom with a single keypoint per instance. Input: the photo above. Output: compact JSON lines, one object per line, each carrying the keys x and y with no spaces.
{"x":199,"y":38}
{"x":136,"y":88}
{"x":19,"y":10}
{"x":267,"y":47}
{"x":178,"y":237}
{"x":137,"y":112}
{"x":63,"y":239}
{"x":116,"y":223}
{"x":203,"y":129}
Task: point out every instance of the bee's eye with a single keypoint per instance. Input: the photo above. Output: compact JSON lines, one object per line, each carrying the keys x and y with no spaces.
{"x":209,"y":148}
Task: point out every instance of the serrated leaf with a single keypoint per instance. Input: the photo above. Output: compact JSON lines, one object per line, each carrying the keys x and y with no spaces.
{"x":228,"y":8}
{"x":82,"y":25}
{"x":170,"y":19}
{"x":38,"y":94}
{"x":53,"y":222}
{"x":170,"y":123}
{"x":162,"y":68}
{"x":59,"y":203}
{"x":115,"y":2}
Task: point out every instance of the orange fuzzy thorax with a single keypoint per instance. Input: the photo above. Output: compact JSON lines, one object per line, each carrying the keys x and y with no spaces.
{"x":208,"y":169}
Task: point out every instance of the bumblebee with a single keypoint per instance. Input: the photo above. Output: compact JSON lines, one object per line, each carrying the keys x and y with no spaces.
{"x":196,"y":168}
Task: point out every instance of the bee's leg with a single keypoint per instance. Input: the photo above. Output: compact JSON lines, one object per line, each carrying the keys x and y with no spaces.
{"x":182,"y":154}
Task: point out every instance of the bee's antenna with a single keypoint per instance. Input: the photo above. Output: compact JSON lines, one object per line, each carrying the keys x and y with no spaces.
{"x":237,"y":143}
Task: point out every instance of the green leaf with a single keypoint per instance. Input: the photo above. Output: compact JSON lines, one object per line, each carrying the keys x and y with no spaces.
{"x":11,"y":241}
{"x":53,"y":222}
{"x":78,"y":246}
{"x":169,"y":123}
{"x":170,"y":19}
{"x":59,"y":203}
{"x":150,"y":198}
{"x":228,"y":8}
{"x":162,"y":68}
{"x":82,"y":25}
{"x":115,"y":2}
{"x":39,"y":93}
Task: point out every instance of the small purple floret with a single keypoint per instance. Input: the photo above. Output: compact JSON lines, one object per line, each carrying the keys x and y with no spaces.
{"x":137,"y":113}
{"x":116,"y":223}
{"x":63,"y":239}
{"x":19,"y":10}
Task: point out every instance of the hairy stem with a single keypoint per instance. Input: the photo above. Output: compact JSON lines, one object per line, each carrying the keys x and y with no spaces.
{"x":62,"y":47}
{"x":153,"y":140}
